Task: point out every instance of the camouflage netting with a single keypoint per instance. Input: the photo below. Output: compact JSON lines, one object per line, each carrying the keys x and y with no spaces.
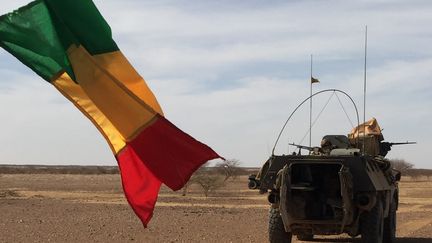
{"x":368,"y":133}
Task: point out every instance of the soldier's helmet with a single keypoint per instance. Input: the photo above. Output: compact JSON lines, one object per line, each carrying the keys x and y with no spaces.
{"x":326,"y":145}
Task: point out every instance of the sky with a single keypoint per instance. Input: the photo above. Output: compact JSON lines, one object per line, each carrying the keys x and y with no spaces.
{"x":229,"y":73}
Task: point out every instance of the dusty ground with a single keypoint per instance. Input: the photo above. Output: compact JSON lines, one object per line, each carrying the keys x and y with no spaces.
{"x":91,"y":208}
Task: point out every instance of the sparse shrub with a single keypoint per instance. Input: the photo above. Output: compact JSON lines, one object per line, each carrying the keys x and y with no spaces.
{"x":206,"y":178}
{"x":401,"y":165}
{"x":208,"y":182}
{"x":229,"y":169}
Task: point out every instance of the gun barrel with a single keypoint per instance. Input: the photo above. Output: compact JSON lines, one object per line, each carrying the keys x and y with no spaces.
{"x":301,"y":146}
{"x":403,"y":143}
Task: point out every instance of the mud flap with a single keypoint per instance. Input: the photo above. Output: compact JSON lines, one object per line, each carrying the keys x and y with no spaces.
{"x":347,"y":196}
{"x":285,"y":197}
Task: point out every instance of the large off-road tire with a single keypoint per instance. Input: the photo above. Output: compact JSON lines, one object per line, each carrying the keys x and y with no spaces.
{"x":389,"y":234}
{"x":277,"y":233}
{"x":372,"y":224}
{"x":305,"y":237}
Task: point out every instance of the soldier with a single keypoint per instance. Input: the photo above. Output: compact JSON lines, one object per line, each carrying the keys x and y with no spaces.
{"x":326,"y":146}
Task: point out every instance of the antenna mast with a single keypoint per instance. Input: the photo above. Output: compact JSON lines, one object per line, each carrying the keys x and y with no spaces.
{"x":364,"y":91}
{"x":310,"y":108}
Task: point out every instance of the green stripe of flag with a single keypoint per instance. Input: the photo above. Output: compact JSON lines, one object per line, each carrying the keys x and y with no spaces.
{"x":40,"y":33}
{"x":86,"y":24}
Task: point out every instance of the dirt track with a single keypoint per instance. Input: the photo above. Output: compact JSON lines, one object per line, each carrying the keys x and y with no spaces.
{"x":91,"y":208}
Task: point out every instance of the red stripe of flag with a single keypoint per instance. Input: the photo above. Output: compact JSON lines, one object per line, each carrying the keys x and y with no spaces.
{"x":140,"y":186}
{"x":160,"y":153}
{"x":171,"y":154}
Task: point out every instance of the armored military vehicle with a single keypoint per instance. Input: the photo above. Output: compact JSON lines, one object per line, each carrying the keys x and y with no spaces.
{"x":344,"y":186}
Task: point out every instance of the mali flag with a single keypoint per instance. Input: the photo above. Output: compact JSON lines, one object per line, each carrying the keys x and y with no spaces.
{"x":69,"y":44}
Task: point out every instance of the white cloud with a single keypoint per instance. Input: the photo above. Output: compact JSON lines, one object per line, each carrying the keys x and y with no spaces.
{"x":229,"y":73}
{"x":39,"y":126}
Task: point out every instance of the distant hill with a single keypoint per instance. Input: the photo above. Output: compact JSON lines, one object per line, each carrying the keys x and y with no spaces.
{"x":417,"y":172}
{"x":94,"y":170}
{"x":75,"y":169}
{"x":57,"y":169}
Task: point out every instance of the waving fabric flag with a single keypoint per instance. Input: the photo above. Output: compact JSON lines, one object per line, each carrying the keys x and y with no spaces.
{"x":69,"y":44}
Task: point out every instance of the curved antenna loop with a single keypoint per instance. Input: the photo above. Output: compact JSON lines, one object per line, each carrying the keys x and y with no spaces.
{"x":308,"y":98}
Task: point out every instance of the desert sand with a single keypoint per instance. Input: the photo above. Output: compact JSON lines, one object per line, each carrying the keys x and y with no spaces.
{"x":92,"y":208}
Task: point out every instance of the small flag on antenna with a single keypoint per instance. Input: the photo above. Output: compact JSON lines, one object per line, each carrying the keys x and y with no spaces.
{"x":314,"y":80}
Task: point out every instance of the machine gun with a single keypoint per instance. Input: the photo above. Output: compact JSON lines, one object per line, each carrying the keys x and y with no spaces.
{"x":385,"y":147}
{"x":300,"y":147}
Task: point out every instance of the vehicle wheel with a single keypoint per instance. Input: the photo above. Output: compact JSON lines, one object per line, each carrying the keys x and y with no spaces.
{"x":372,"y":224}
{"x":277,"y":233}
{"x":305,"y":237}
{"x":389,"y":233}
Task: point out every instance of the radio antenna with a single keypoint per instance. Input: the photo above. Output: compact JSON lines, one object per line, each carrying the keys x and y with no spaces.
{"x":364,"y":90}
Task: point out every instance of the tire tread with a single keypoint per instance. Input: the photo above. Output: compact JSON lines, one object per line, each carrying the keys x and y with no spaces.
{"x":276,"y":230}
